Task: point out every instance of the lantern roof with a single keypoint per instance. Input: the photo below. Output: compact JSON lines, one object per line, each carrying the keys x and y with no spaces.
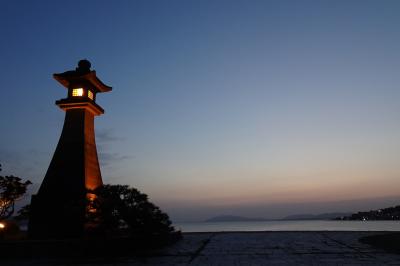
{"x":81,"y":73}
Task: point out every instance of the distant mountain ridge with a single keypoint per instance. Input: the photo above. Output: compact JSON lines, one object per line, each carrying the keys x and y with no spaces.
{"x":322,"y":216}
{"x":233,"y":218}
{"x":236,"y":218}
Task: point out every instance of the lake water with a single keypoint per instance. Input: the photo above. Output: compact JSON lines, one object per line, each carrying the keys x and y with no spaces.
{"x":310,"y":225}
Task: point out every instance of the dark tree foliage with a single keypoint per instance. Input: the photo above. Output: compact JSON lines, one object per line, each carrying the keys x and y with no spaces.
{"x":23,"y":213}
{"x":12,"y":188}
{"x":126,"y":209}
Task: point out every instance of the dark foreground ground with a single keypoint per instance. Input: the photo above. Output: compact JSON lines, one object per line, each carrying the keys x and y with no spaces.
{"x":243,"y":248}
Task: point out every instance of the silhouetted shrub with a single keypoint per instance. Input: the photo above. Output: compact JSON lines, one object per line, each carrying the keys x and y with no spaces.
{"x":11,"y":189}
{"x":120,"y":210}
{"x":23,"y":213}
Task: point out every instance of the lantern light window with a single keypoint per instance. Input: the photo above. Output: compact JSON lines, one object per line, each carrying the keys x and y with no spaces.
{"x":90,"y":95}
{"x":77,"y":92}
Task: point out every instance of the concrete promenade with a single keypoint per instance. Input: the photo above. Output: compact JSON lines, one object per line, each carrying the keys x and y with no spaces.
{"x":252,"y":248}
{"x":273,"y":248}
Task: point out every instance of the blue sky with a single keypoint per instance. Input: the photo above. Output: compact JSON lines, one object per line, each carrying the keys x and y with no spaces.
{"x":218,"y":106}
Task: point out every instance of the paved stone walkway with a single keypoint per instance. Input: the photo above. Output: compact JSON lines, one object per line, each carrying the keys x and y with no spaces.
{"x":255,"y":248}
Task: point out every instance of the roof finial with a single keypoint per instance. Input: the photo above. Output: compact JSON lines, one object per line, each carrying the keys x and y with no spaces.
{"x":83,"y":66}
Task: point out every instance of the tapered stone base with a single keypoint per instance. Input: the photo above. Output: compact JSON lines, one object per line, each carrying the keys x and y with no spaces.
{"x":58,"y":210}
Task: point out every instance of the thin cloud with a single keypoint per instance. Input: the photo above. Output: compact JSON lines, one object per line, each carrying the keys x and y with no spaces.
{"x":107,"y":158}
{"x":104,"y":136}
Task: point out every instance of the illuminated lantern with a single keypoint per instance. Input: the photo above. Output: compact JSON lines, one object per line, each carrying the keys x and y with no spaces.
{"x":58,"y":209}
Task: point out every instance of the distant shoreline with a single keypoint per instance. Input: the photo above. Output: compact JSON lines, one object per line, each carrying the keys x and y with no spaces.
{"x":294,"y":217}
{"x":289,"y":231}
{"x":289,"y":225}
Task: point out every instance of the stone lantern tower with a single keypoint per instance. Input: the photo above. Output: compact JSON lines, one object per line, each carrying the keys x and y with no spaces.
{"x":58,"y":209}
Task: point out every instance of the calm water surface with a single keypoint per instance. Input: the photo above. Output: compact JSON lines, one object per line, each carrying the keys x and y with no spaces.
{"x":314,"y":225}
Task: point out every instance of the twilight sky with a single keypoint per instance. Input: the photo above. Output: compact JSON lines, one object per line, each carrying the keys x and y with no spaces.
{"x":258,"y":108}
